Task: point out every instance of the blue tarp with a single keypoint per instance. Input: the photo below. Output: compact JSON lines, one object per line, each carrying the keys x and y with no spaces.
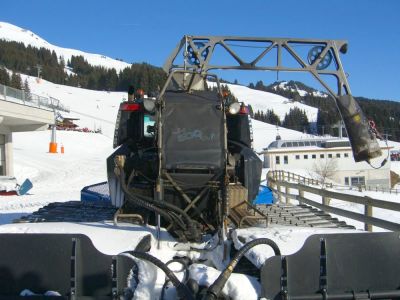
{"x":264,"y":196}
{"x":98,"y":193}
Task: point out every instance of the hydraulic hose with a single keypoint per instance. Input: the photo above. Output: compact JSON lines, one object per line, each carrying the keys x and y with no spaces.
{"x":147,"y":204}
{"x":184,"y":268}
{"x":182,"y":289}
{"x":155,"y":205}
{"x":140,"y":202}
{"x":214,"y":290}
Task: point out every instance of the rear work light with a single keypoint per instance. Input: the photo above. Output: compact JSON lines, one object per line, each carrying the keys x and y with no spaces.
{"x":130,"y":107}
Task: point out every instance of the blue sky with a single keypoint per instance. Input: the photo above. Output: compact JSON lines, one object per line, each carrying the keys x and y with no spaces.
{"x":147,"y":31}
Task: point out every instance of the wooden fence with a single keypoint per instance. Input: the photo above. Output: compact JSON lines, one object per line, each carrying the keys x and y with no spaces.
{"x":279,"y":182}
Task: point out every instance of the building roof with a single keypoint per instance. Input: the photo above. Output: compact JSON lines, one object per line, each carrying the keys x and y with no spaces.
{"x":312,"y":144}
{"x":321,"y":143}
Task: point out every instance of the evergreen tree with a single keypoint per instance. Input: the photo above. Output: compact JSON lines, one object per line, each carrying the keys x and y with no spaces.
{"x":27,"y":90}
{"x":16,"y":81}
{"x":272,"y":118}
{"x":296,"y":119}
{"x":4,"y":77}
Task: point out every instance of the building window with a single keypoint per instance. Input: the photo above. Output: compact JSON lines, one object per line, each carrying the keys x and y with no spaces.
{"x":277,"y":160}
{"x":314,"y":156}
{"x":297,"y":156}
{"x":338,"y":155}
{"x":285,"y":159}
{"x":305,"y":156}
{"x":329,"y":155}
{"x":346,"y":155}
{"x":321,"y":156}
{"x":358,"y":181}
{"x":346,"y":180}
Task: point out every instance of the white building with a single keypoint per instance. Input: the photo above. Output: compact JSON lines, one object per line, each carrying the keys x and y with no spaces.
{"x":313,"y":155}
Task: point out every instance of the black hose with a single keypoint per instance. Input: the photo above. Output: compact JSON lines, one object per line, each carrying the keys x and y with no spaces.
{"x":184,"y":268}
{"x":140,"y":202}
{"x":146,"y":204}
{"x":157,"y":205}
{"x":214,"y":290}
{"x":168,"y":206}
{"x":182,"y":289}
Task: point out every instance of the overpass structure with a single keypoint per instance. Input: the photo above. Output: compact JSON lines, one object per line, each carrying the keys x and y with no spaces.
{"x":20,"y":111}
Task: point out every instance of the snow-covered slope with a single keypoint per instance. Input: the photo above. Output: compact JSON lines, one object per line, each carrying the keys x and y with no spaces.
{"x":263,"y":101}
{"x":293,"y":87}
{"x":11,"y":32}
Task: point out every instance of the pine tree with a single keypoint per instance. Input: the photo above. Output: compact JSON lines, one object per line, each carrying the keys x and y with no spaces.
{"x":27,"y":90}
{"x":296,"y":119}
{"x":16,"y":81}
{"x":4,"y":77}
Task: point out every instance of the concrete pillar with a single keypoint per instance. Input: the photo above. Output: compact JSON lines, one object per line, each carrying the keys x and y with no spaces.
{"x":9,"y":155}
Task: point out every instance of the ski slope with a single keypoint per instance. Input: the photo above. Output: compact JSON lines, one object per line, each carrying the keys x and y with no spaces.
{"x":14,"y":33}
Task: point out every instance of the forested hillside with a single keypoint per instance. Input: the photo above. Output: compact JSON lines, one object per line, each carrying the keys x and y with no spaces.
{"x":75,"y":72}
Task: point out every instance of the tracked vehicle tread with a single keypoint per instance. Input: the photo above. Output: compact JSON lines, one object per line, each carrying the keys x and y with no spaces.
{"x":71,"y":211}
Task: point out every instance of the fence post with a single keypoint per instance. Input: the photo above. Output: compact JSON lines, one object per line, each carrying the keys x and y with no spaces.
{"x":301,"y":194}
{"x":286,"y":196}
{"x":278,"y":188}
{"x":326,"y":201}
{"x":368,"y":213}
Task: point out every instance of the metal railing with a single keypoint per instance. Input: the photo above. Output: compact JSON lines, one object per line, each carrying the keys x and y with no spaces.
{"x":19,"y":96}
{"x":289,"y":176}
{"x":280,"y":179}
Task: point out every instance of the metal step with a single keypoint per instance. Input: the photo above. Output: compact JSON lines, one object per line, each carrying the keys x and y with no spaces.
{"x":300,"y":215}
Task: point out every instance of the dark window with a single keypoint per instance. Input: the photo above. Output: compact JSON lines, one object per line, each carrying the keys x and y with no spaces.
{"x":330,"y":155}
{"x":297,"y":156}
{"x":305,"y":156}
{"x":338,"y":155}
{"x":357,"y":181}
{"x":277,"y":160}
{"x":321,"y":156}
{"x":346,"y":180}
{"x":314,"y":156}
{"x":285,"y":159}
{"x":346,"y":155}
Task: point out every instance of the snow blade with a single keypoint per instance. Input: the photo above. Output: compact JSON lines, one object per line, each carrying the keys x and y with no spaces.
{"x":68,"y":264}
{"x":336,"y":266}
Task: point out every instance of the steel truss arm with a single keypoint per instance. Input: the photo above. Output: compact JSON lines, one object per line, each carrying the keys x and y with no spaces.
{"x":204,"y":48}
